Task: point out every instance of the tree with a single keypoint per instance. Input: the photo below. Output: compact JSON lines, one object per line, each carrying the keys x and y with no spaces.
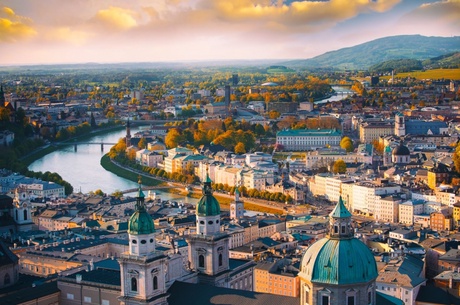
{"x":172,"y":138}
{"x":98,"y":192}
{"x":456,"y":158}
{"x":239,"y":148}
{"x":339,"y":167}
{"x":347,"y":144}
{"x":142,"y":143}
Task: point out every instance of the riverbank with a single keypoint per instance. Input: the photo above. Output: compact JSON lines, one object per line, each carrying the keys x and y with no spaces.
{"x":177,"y":188}
{"x":49,"y":148}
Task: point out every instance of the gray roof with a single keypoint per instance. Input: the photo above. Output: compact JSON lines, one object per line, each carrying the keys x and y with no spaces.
{"x":196,"y":294}
{"x":417,"y":127}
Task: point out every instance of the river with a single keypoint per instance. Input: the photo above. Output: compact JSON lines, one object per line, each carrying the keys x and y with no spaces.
{"x":342,"y":92}
{"x":82,"y":168}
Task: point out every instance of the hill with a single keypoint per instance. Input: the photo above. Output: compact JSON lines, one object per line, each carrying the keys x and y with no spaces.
{"x":364,"y":55}
{"x":448,"y":61}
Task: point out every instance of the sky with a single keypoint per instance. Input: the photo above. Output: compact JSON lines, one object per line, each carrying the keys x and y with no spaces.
{"x":110,"y":31}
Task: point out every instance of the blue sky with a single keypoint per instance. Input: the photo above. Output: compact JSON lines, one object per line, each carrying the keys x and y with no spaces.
{"x":56,"y":31}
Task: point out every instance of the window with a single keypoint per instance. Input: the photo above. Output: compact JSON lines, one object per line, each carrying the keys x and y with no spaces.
{"x":220,"y":259}
{"x":87,"y":299}
{"x":133,"y":284}
{"x":25,"y":214}
{"x":325,"y":300}
{"x":105,"y":302}
{"x":201,"y":222}
{"x":143,"y":241}
{"x":351,"y":300}
{"x":155,"y":283}
{"x":210,"y":222}
{"x":134,"y":241}
{"x":7,"y":279}
{"x":70,"y":296}
{"x":369,"y":297}
{"x":201,"y":261}
{"x":151,"y":240}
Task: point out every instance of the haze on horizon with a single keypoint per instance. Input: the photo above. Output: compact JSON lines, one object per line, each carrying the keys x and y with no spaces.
{"x":110,"y":31}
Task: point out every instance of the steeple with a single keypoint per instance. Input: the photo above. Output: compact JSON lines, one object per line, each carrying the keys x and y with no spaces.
{"x":340,"y":222}
{"x":128,"y":134}
{"x":141,"y":228}
{"x":2,"y":97}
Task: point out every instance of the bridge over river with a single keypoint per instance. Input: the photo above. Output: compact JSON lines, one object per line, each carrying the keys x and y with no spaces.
{"x":146,"y":188}
{"x":76,"y":143}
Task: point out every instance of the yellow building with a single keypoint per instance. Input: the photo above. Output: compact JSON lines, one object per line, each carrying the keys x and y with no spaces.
{"x":456,"y":214}
{"x":277,"y":278}
{"x":370,"y":131}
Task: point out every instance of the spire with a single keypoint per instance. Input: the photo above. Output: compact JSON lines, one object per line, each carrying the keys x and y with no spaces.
{"x":340,"y":210}
{"x":340,"y":222}
{"x":140,"y":205}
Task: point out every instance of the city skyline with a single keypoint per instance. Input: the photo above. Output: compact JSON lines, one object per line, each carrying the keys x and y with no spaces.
{"x":199,"y":30}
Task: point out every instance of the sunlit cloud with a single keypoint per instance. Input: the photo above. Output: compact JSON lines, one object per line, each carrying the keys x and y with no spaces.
{"x":13,"y":27}
{"x":66,"y":35}
{"x":116,"y":18}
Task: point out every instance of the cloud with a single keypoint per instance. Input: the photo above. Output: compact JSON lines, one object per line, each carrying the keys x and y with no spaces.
{"x":445,"y":17}
{"x":67,"y":35}
{"x":13,"y":27}
{"x":116,"y":18}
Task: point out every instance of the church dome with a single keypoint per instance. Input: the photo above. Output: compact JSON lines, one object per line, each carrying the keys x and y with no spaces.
{"x":387,"y":149}
{"x":339,"y":258}
{"x":401,"y":150}
{"x":208,"y":204}
{"x":140,"y":222}
{"x":338,"y":262}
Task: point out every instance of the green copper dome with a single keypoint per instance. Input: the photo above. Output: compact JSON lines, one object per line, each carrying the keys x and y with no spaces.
{"x":338,"y":262}
{"x":339,"y":258}
{"x":140,"y":222}
{"x":208,"y":204}
{"x":387,"y":149}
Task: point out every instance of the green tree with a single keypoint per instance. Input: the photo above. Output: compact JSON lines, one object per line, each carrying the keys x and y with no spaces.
{"x":339,"y":167}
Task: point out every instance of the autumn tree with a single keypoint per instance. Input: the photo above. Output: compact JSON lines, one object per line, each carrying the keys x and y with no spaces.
{"x":172,"y":138}
{"x":239,"y":148}
{"x":339,"y":167}
{"x":142,"y":143}
{"x":347,"y":144}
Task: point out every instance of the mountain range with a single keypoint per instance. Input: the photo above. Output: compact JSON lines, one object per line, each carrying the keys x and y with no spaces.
{"x":365,"y":55}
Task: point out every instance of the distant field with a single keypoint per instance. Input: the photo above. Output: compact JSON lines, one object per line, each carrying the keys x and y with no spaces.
{"x":430,"y":74}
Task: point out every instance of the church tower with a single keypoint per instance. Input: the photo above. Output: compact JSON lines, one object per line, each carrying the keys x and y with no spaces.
{"x":128,"y":134}
{"x":236,"y":207}
{"x":400,"y":125}
{"x":387,"y":156}
{"x":208,"y":248}
{"x":2,"y":97}
{"x":338,"y":269}
{"x":142,"y":268}
{"x":22,"y":214}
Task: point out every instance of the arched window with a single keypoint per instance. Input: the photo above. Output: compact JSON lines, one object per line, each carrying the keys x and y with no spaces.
{"x":155,"y":283}
{"x":201,"y":261}
{"x":220,"y":259}
{"x":25,"y":214}
{"x":17,"y":215}
{"x":133,"y":284}
{"x":7,"y":279}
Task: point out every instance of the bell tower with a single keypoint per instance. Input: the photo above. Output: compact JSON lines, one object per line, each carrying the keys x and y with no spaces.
{"x":400,"y":125}
{"x":208,"y":248}
{"x":142,"y":268}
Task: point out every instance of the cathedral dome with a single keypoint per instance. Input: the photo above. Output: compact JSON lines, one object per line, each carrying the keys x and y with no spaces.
{"x":339,"y":258}
{"x":140,"y":222}
{"x":338,"y":262}
{"x":208,"y":204}
{"x":401,"y":150}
